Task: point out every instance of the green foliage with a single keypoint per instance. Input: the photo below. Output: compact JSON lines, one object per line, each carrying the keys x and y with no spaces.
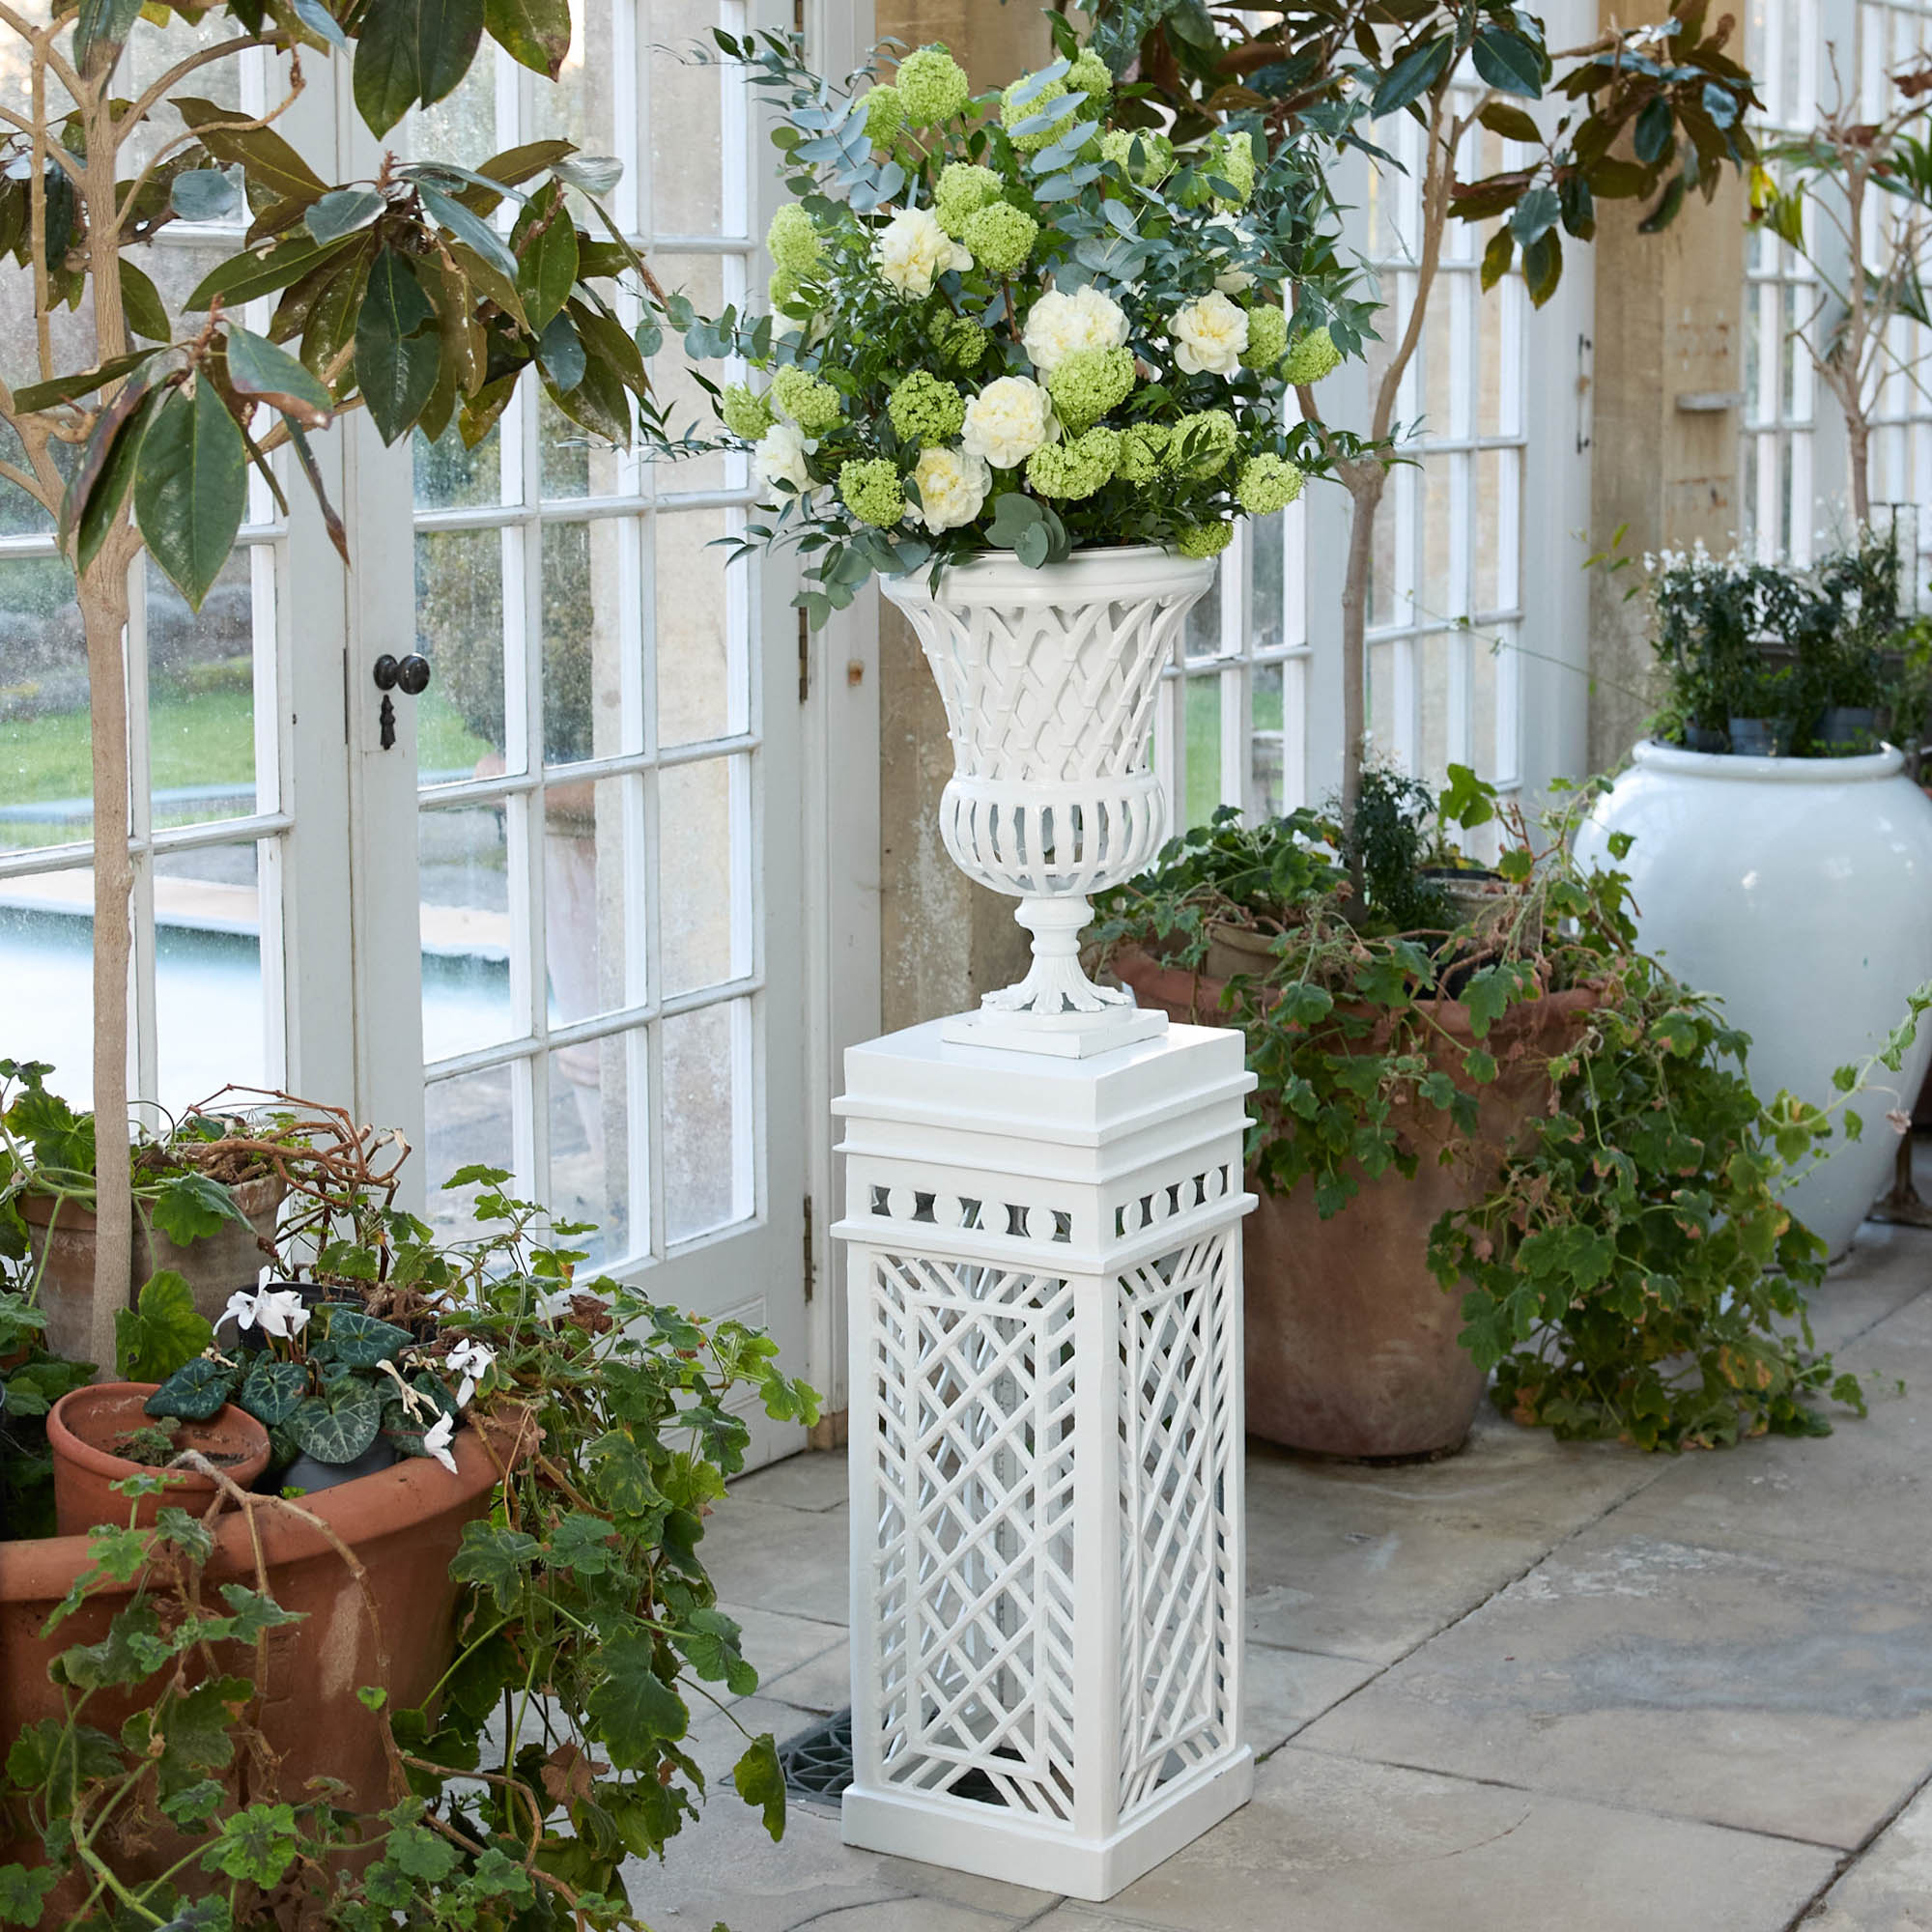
{"x":1633,"y":1272}
{"x":162,"y":1333}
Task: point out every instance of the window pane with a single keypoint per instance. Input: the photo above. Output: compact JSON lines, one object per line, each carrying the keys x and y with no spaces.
{"x":208,"y":1014}
{"x":575,"y":462}
{"x":46,"y":965}
{"x":589,"y":617}
{"x":1265,"y":750}
{"x":468,"y":1120}
{"x":701,"y":689}
{"x":685,"y":405}
{"x":706,"y":1136}
{"x":1203,"y":750}
{"x":590,"y":1141}
{"x":463,"y":879}
{"x":1202,"y":638}
{"x":688,"y":195}
{"x":585,"y":902}
{"x":702,"y":872}
{"x":1266,"y":607}
{"x":200,"y":697}
{"x":460,"y":718}
{"x":449,"y":476}
{"x":47,"y":773}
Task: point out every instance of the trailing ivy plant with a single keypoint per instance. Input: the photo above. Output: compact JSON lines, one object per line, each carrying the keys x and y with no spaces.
{"x":1634,"y":1271}
{"x":557,"y":1746}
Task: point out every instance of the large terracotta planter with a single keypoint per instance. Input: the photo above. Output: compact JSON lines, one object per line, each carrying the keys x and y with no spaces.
{"x":215,"y":1268}
{"x":404,"y":1525}
{"x":85,"y":1425}
{"x":1351,"y":1346}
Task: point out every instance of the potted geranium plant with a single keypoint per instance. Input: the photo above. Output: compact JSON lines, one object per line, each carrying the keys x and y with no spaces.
{"x":1779,"y":868}
{"x":1027,"y":360}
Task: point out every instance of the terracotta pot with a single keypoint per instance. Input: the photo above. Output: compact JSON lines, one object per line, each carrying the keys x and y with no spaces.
{"x":1351,"y":1346}
{"x":403,"y":1524}
{"x":213,"y":1267}
{"x":86,"y":1423}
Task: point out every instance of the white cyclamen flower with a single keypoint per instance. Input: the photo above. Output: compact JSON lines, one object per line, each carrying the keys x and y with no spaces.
{"x":274,"y":1312}
{"x":436,"y":1439}
{"x":913,"y":251}
{"x":952,"y":486}
{"x":1006,"y":421}
{"x":472,"y":1361}
{"x":1058,"y":324}
{"x":1210,"y":334}
{"x":241,"y":1309}
{"x":779,"y":457}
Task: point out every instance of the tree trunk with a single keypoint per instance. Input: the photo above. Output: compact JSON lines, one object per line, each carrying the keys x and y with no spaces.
{"x":1365,"y":496}
{"x":1858,"y":444}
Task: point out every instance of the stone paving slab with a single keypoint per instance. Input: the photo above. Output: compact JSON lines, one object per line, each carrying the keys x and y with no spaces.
{"x":1368,"y":1562}
{"x":1333,"y":1846}
{"x":1889,"y":1889}
{"x":778,"y":1558}
{"x":1289,"y":1688}
{"x":1743,"y":1690}
{"x":1889,"y":1269}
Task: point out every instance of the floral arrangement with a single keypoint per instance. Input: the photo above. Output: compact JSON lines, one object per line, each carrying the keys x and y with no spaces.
{"x":1021,"y":321}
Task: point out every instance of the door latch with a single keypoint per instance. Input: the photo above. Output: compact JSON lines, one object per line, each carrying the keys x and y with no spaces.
{"x":410,"y":676}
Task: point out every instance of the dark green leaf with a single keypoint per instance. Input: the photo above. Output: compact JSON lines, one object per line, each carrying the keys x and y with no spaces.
{"x":633,"y":1709}
{"x":560,"y":352}
{"x":468,"y":228}
{"x":1412,"y":76}
{"x":272,"y":1390}
{"x":258,"y":1844}
{"x":342,"y":212}
{"x":191,"y":1207}
{"x":204,"y":194}
{"x":349,"y":1339}
{"x":1651,"y":138}
{"x":141,"y":303}
{"x":536,"y":33}
{"x":397,"y":351}
{"x":338,"y":1425}
{"x":1510,"y":123}
{"x":195,"y":1392}
{"x":256,"y":368}
{"x":544,"y":242}
{"x":191,"y":488}
{"x":760,"y":1781}
{"x":23,"y":1893}
{"x":1508,"y":63}
{"x":70,"y":388}
{"x":100,"y":30}
{"x":496,"y":1560}
{"x":263,"y":156}
{"x":413,"y":51}
{"x":1664,"y":213}
{"x":243,"y":277}
{"x":106,"y":473}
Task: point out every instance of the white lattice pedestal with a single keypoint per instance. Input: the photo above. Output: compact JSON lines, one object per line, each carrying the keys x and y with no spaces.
{"x":1044,"y":1269}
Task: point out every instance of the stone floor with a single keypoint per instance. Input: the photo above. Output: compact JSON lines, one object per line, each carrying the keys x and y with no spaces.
{"x":1537,"y":1685}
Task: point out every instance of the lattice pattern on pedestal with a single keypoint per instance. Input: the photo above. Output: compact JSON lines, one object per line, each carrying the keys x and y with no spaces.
{"x":1179,"y":1437}
{"x":973,"y":1611}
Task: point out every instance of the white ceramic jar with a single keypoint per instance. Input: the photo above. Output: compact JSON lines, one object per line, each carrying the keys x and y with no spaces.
{"x":1799,"y":891}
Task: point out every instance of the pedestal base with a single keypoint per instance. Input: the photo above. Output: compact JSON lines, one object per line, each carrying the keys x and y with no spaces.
{"x":1031,"y":1854}
{"x":1064,"y":1036}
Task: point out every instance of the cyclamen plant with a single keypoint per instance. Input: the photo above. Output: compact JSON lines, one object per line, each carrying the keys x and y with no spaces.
{"x":1006,"y":322}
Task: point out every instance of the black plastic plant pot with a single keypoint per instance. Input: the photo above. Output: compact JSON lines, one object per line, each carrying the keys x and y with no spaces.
{"x":1704,"y":738}
{"x":1847,"y":730}
{"x":306,"y":1474}
{"x":1759,"y":737}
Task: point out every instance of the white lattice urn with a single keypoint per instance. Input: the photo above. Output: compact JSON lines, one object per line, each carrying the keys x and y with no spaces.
{"x":1800,"y":892}
{"x":1048,"y":677}
{"x":1044,"y":1285}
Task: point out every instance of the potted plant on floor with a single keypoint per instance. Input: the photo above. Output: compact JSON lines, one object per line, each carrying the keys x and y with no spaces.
{"x":456,"y":1687}
{"x":1788,"y":886}
{"x":1027,"y":360}
{"x":1405,"y":1246}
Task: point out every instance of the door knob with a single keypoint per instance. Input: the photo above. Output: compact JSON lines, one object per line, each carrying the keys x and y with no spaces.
{"x":410,"y":675}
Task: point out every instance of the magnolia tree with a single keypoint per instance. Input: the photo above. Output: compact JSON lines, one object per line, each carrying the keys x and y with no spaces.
{"x":1651,"y":113}
{"x":421,"y":294}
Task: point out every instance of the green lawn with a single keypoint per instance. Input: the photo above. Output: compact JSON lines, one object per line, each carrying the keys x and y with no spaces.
{"x":205,"y":739}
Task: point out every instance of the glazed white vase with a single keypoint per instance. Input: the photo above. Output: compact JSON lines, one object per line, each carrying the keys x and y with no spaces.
{"x":1800,"y":892}
{"x":1048,"y":677}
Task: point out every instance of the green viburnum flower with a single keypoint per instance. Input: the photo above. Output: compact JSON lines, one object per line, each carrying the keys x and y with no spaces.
{"x":1205,"y":539}
{"x":926,"y":410}
{"x":1231,"y":158}
{"x":1202,"y":443}
{"x":1089,"y":76}
{"x":1267,"y":483}
{"x":1076,"y":469}
{"x":885,"y":115}
{"x":1117,"y":144}
{"x":1000,"y":238}
{"x":1268,"y":336}
{"x":781,"y":289}
{"x":792,"y":241}
{"x":813,"y":405}
{"x":1089,"y":383}
{"x":1143,"y":453}
{"x":932,"y":86}
{"x":745,"y":413}
{"x":960,"y":344}
{"x":963,"y":190}
{"x":1011,"y":113}
{"x":871,"y":490}
{"x":1312,"y":356}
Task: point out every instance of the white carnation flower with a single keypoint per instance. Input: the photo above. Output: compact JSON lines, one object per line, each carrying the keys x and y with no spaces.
{"x":779,"y":457}
{"x":1006,"y":421}
{"x":1208,"y":334}
{"x":1058,"y":324}
{"x":952,"y":486}
{"x":913,"y":251}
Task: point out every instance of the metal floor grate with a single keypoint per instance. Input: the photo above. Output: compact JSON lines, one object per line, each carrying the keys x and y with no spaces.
{"x":818,"y":1763}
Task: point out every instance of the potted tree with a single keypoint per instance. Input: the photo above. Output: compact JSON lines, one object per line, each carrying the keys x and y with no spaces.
{"x":412,"y":293}
{"x":1786,"y":885}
